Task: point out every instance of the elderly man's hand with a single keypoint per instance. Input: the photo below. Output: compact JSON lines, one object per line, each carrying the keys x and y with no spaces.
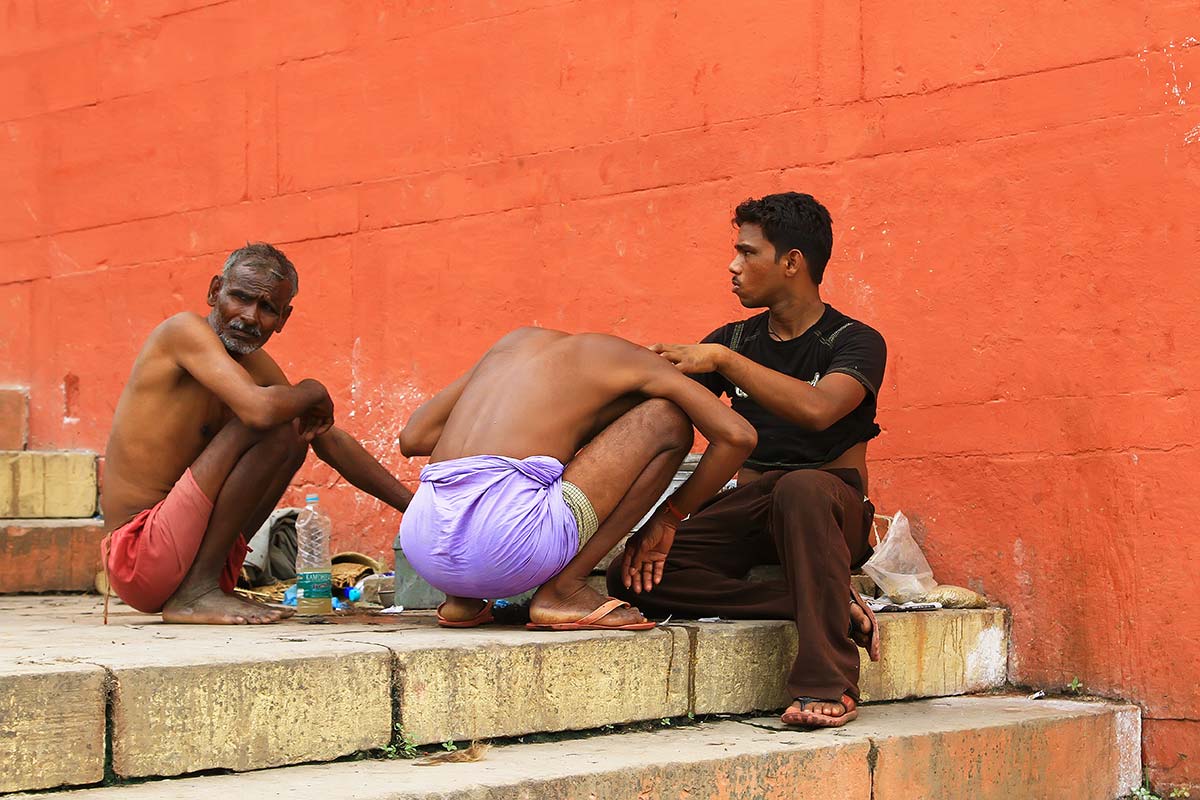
{"x":692,"y":359}
{"x":646,"y":554}
{"x":317,"y":419}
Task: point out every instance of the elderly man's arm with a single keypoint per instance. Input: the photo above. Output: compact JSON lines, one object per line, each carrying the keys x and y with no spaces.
{"x":258,"y":404}
{"x":337,"y":448}
{"x":342,"y":451}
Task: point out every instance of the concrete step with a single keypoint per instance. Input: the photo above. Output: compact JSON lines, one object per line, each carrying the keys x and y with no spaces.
{"x":184,"y":699}
{"x":983,"y":748}
{"x":14,"y":419}
{"x":47,"y":485}
{"x":49,"y":555}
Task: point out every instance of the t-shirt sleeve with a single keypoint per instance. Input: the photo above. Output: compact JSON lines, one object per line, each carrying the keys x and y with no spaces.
{"x":861,"y":353}
{"x":714,"y":381}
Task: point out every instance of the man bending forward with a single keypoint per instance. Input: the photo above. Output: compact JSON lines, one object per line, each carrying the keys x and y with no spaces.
{"x":207,"y":434}
{"x":510,"y":502}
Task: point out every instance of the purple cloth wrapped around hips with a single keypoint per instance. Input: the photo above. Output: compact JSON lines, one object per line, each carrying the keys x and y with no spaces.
{"x":489,"y":527}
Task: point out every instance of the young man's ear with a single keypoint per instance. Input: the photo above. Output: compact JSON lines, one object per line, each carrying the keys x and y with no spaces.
{"x":794,"y":263}
{"x":214,"y":288}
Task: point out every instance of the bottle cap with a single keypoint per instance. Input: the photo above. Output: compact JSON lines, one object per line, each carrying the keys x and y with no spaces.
{"x":310,"y":499}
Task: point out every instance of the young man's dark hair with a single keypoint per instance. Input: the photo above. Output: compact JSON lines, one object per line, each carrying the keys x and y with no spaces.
{"x":792,"y":221}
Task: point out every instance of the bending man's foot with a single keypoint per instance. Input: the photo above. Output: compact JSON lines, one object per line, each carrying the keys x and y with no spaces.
{"x":460,"y":609}
{"x":553,"y":604}
{"x":214,"y":607}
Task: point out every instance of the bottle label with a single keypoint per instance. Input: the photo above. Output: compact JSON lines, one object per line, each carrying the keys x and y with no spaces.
{"x":313,"y":585}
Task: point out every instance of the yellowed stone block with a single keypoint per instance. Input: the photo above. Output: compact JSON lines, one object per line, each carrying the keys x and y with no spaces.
{"x":172,"y":718}
{"x":37,"y":485}
{"x":742,"y":666}
{"x":51,"y":725}
{"x":540,"y":682}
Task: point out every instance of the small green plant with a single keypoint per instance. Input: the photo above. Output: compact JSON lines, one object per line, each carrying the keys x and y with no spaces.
{"x":1144,"y":792}
{"x":1075,"y":686}
{"x":406,"y":748}
{"x":665,"y":722}
{"x":449,"y":746}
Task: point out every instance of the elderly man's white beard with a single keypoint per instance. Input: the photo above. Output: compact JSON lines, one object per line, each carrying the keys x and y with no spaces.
{"x":236,"y":346}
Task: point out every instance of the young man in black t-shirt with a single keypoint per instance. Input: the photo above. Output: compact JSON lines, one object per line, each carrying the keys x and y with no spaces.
{"x":806,"y":376}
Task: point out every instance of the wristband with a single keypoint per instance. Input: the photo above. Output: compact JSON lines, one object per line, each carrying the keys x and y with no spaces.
{"x":675,"y":512}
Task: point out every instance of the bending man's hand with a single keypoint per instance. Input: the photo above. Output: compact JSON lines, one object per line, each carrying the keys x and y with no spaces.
{"x":646,"y":554}
{"x":692,"y":359}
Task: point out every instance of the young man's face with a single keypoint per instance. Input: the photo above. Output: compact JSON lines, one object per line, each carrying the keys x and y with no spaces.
{"x":758,"y":277}
{"x":248,"y":307}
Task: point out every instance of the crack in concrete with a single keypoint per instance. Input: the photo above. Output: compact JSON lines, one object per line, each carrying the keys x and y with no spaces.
{"x":872,"y":763}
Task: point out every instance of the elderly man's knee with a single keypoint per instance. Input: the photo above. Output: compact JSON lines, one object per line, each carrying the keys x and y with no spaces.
{"x":669,"y":423}
{"x":285,"y":444}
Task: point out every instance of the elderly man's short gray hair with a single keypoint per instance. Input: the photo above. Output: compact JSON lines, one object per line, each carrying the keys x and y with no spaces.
{"x":263,"y":256}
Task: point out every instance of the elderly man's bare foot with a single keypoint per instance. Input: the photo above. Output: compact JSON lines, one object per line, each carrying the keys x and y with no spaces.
{"x":284,"y":611}
{"x":214,"y":607}
{"x":556,"y":603}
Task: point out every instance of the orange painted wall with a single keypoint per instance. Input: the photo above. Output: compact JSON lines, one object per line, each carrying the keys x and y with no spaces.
{"x":1015,"y":187}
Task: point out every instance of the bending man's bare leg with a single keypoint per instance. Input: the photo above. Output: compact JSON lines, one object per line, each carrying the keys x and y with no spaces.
{"x":623,"y":471}
{"x":246,"y":471}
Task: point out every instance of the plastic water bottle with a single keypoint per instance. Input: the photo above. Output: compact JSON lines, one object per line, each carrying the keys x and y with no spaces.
{"x":313,"y":570}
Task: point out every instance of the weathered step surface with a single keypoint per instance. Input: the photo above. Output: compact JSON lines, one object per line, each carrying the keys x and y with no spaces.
{"x":49,"y":555}
{"x":192,"y":698}
{"x":47,"y":485}
{"x":984,"y":748}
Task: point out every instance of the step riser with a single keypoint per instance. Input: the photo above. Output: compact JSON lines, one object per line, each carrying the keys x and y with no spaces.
{"x":924,"y":655}
{"x":37,"y":485}
{"x":993,"y":748}
{"x":42,"y":556}
{"x":171,"y":719}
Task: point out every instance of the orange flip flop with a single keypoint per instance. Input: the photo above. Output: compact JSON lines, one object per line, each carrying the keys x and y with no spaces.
{"x":808,"y":719}
{"x":591,"y":622}
{"x":482,"y":618}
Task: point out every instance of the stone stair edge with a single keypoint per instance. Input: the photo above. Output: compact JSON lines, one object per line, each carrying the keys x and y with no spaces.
{"x":437,"y":686}
{"x":1016,"y":747}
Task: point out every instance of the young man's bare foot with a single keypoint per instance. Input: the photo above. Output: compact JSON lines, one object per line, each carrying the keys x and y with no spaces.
{"x":571,"y":601}
{"x":214,"y":607}
{"x":816,"y":713}
{"x":860,"y":626}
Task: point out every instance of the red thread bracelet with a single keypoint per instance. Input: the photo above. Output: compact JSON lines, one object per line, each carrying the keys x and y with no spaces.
{"x":675,"y":512}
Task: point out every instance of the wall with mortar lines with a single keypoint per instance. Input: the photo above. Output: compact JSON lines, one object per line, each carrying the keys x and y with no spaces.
{"x":1014,"y":187}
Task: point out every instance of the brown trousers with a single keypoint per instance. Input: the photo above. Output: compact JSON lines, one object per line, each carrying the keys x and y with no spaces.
{"x":814,"y":523}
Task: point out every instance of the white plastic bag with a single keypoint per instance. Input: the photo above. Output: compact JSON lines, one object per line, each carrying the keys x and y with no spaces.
{"x":898,"y":566}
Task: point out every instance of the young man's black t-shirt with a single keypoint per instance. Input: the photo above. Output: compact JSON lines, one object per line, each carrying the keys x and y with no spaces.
{"x":836,"y":343}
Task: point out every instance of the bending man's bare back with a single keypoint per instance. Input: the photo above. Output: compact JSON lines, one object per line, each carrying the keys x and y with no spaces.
{"x":608,"y":420}
{"x":207,"y":434}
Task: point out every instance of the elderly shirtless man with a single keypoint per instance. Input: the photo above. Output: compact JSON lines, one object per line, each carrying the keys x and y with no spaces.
{"x":542,"y":458}
{"x":207,"y":434}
